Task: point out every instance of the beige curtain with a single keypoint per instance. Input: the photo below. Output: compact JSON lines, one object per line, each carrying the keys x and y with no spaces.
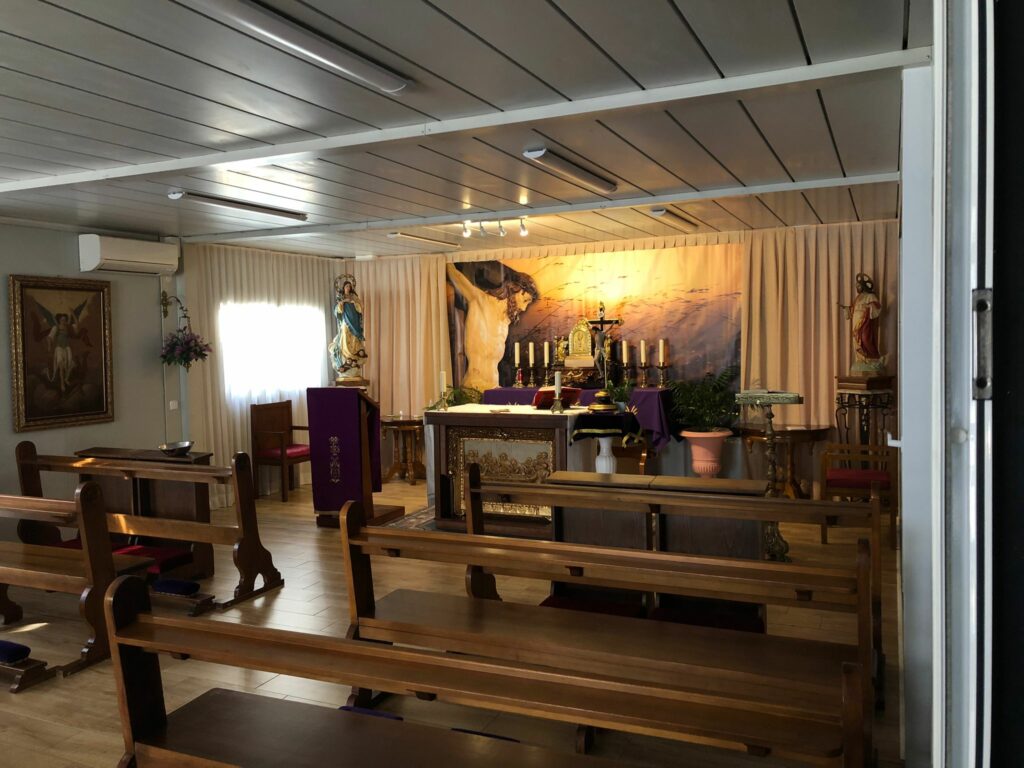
{"x":404,"y":319}
{"x":796,"y":336}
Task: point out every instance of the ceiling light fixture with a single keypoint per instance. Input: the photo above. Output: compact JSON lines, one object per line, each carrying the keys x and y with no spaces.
{"x":523,"y":231}
{"x":288,"y":36}
{"x":406,"y":236}
{"x":238,"y":205}
{"x":483,"y":232}
{"x":675,"y":219}
{"x":570,"y":170}
{"x":465,"y":229}
{"x":501,"y":230}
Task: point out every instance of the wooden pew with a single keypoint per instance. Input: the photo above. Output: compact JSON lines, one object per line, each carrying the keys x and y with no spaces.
{"x":661,"y":498}
{"x":86,"y":572}
{"x":763,"y":676}
{"x":251,"y":558}
{"x":202,"y":734}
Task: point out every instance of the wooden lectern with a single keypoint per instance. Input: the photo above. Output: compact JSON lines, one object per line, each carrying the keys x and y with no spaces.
{"x":344,"y":440}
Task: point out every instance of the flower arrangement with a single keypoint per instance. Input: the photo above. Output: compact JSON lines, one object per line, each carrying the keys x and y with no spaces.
{"x":183,"y":346}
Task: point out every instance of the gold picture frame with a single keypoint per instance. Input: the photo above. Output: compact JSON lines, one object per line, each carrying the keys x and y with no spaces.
{"x":61,"y":352}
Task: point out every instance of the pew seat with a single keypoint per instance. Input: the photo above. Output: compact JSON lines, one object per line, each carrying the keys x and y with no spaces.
{"x":776,"y":671}
{"x":231,"y":728}
{"x":53,"y":568}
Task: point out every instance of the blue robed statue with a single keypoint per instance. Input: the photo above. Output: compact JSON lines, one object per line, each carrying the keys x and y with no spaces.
{"x":347,"y":349}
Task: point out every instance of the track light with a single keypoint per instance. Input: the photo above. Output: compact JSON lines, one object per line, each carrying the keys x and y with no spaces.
{"x":281,"y":33}
{"x":483,"y":232}
{"x":674,"y":219}
{"x":239,"y":205}
{"x":570,"y":170}
{"x":420,"y":238}
{"x":465,"y":229}
{"x":523,"y":231}
{"x":501,"y":230}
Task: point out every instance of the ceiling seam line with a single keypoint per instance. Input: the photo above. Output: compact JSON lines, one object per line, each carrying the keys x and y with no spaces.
{"x":158,"y":84}
{"x":494,"y":48}
{"x":707,"y":151}
{"x":111,"y":122}
{"x":696,"y":38}
{"x":211,"y":66}
{"x":799,"y":30}
{"x":764,"y":138}
{"x":730,"y":213}
{"x":831,"y":133}
{"x":637,"y":149}
{"x":813,"y":209}
{"x":583,"y":33}
{"x":364,"y":189}
{"x":80,"y":136}
{"x":436,"y":175}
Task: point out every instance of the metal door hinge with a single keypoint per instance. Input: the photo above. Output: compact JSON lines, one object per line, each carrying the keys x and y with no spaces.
{"x":981,"y":302}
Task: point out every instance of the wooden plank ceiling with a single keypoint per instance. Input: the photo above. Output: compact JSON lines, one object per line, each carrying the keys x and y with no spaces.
{"x":98,"y":84}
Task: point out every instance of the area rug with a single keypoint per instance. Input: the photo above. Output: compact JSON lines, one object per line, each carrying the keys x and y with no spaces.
{"x":420,"y":520}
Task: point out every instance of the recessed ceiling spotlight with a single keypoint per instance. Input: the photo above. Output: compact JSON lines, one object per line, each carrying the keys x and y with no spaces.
{"x":238,"y":205}
{"x":523,"y":231}
{"x":674,"y":219}
{"x":465,"y":229}
{"x":545,"y":157}
{"x":284,"y":34}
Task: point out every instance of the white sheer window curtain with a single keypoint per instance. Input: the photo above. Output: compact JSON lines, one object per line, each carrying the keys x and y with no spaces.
{"x":405,"y":322}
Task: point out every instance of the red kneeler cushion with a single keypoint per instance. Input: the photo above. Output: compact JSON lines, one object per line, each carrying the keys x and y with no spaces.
{"x":293,"y":451}
{"x":857,"y":478}
{"x":167,"y":558}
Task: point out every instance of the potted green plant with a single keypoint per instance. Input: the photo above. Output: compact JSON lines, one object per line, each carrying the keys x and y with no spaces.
{"x":706,"y":410}
{"x":620,"y":393}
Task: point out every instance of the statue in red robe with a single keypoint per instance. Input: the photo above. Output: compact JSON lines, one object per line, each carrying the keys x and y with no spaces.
{"x":865,"y":314}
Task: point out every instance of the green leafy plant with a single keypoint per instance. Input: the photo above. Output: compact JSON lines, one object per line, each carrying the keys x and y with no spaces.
{"x":708,"y":403}
{"x":620,"y":392}
{"x":458,"y":396}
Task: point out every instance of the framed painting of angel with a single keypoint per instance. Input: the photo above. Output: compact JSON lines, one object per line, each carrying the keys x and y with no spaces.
{"x":61,"y":360}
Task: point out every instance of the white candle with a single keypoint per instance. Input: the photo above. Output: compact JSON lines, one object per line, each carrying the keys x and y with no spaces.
{"x":558,"y":385}
{"x":625,"y":352}
{"x":643,"y":352}
{"x":444,"y":383}
{"x":547,"y":354}
{"x":661,"y":351}
{"x":516,"y":353}
{"x":529,"y":350}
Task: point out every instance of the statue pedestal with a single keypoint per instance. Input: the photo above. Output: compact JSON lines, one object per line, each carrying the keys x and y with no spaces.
{"x":352,"y":382}
{"x":863,"y":407}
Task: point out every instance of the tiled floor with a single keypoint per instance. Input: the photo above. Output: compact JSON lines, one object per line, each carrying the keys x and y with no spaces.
{"x":72,"y":723}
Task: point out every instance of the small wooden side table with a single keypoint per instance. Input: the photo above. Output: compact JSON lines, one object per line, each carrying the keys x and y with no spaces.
{"x":790,"y":437}
{"x":408,"y":434}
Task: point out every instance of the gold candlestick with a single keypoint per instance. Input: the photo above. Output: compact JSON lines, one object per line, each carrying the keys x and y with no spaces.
{"x":533,"y":380}
{"x":662,"y":367}
{"x":641,"y":379}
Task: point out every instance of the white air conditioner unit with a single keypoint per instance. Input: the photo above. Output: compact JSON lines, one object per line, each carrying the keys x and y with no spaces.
{"x":118,"y":254}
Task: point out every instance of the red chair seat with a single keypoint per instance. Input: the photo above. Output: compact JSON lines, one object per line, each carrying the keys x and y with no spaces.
{"x":75,"y":543}
{"x":857,"y":478}
{"x":167,"y":558}
{"x":293,"y":451}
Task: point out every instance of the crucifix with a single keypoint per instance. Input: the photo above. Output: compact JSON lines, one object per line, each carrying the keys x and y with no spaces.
{"x":599,"y":325}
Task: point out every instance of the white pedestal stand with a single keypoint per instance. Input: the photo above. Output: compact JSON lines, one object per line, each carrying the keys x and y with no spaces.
{"x":605,"y":461}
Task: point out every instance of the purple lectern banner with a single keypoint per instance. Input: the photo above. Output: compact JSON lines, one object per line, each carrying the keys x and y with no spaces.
{"x":336,"y":460}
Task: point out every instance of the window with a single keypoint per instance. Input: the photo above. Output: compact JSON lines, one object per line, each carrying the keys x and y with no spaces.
{"x":268,"y":349}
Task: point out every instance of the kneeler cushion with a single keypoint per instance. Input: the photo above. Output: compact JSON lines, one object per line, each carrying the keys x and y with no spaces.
{"x":12,"y":653}
{"x":166,"y":557}
{"x":175,"y":587}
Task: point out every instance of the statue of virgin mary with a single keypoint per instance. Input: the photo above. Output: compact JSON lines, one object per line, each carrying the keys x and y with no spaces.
{"x":347,"y":349}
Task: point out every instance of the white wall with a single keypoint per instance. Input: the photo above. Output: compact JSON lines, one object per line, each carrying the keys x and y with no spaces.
{"x":138,"y":376}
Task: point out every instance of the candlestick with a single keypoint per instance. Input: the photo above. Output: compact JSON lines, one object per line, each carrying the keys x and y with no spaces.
{"x":515,"y":354}
{"x":642,"y":377}
{"x":661,"y":352}
{"x":661,"y":373}
{"x":533,"y":380}
{"x":643,"y":353}
{"x":547,"y":375}
{"x":444,"y":391}
{"x":529,"y":353}
{"x":556,"y":406}
{"x":547,"y":354}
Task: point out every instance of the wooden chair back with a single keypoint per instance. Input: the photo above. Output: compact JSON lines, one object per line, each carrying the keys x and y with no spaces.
{"x":267,"y":422}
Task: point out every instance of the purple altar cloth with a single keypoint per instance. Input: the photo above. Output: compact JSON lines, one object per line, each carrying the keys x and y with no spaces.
{"x":336,"y":460}
{"x":652,"y":404}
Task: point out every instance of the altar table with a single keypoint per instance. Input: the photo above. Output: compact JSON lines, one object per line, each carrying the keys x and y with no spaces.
{"x":652,"y":406}
{"x":510,"y":443}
